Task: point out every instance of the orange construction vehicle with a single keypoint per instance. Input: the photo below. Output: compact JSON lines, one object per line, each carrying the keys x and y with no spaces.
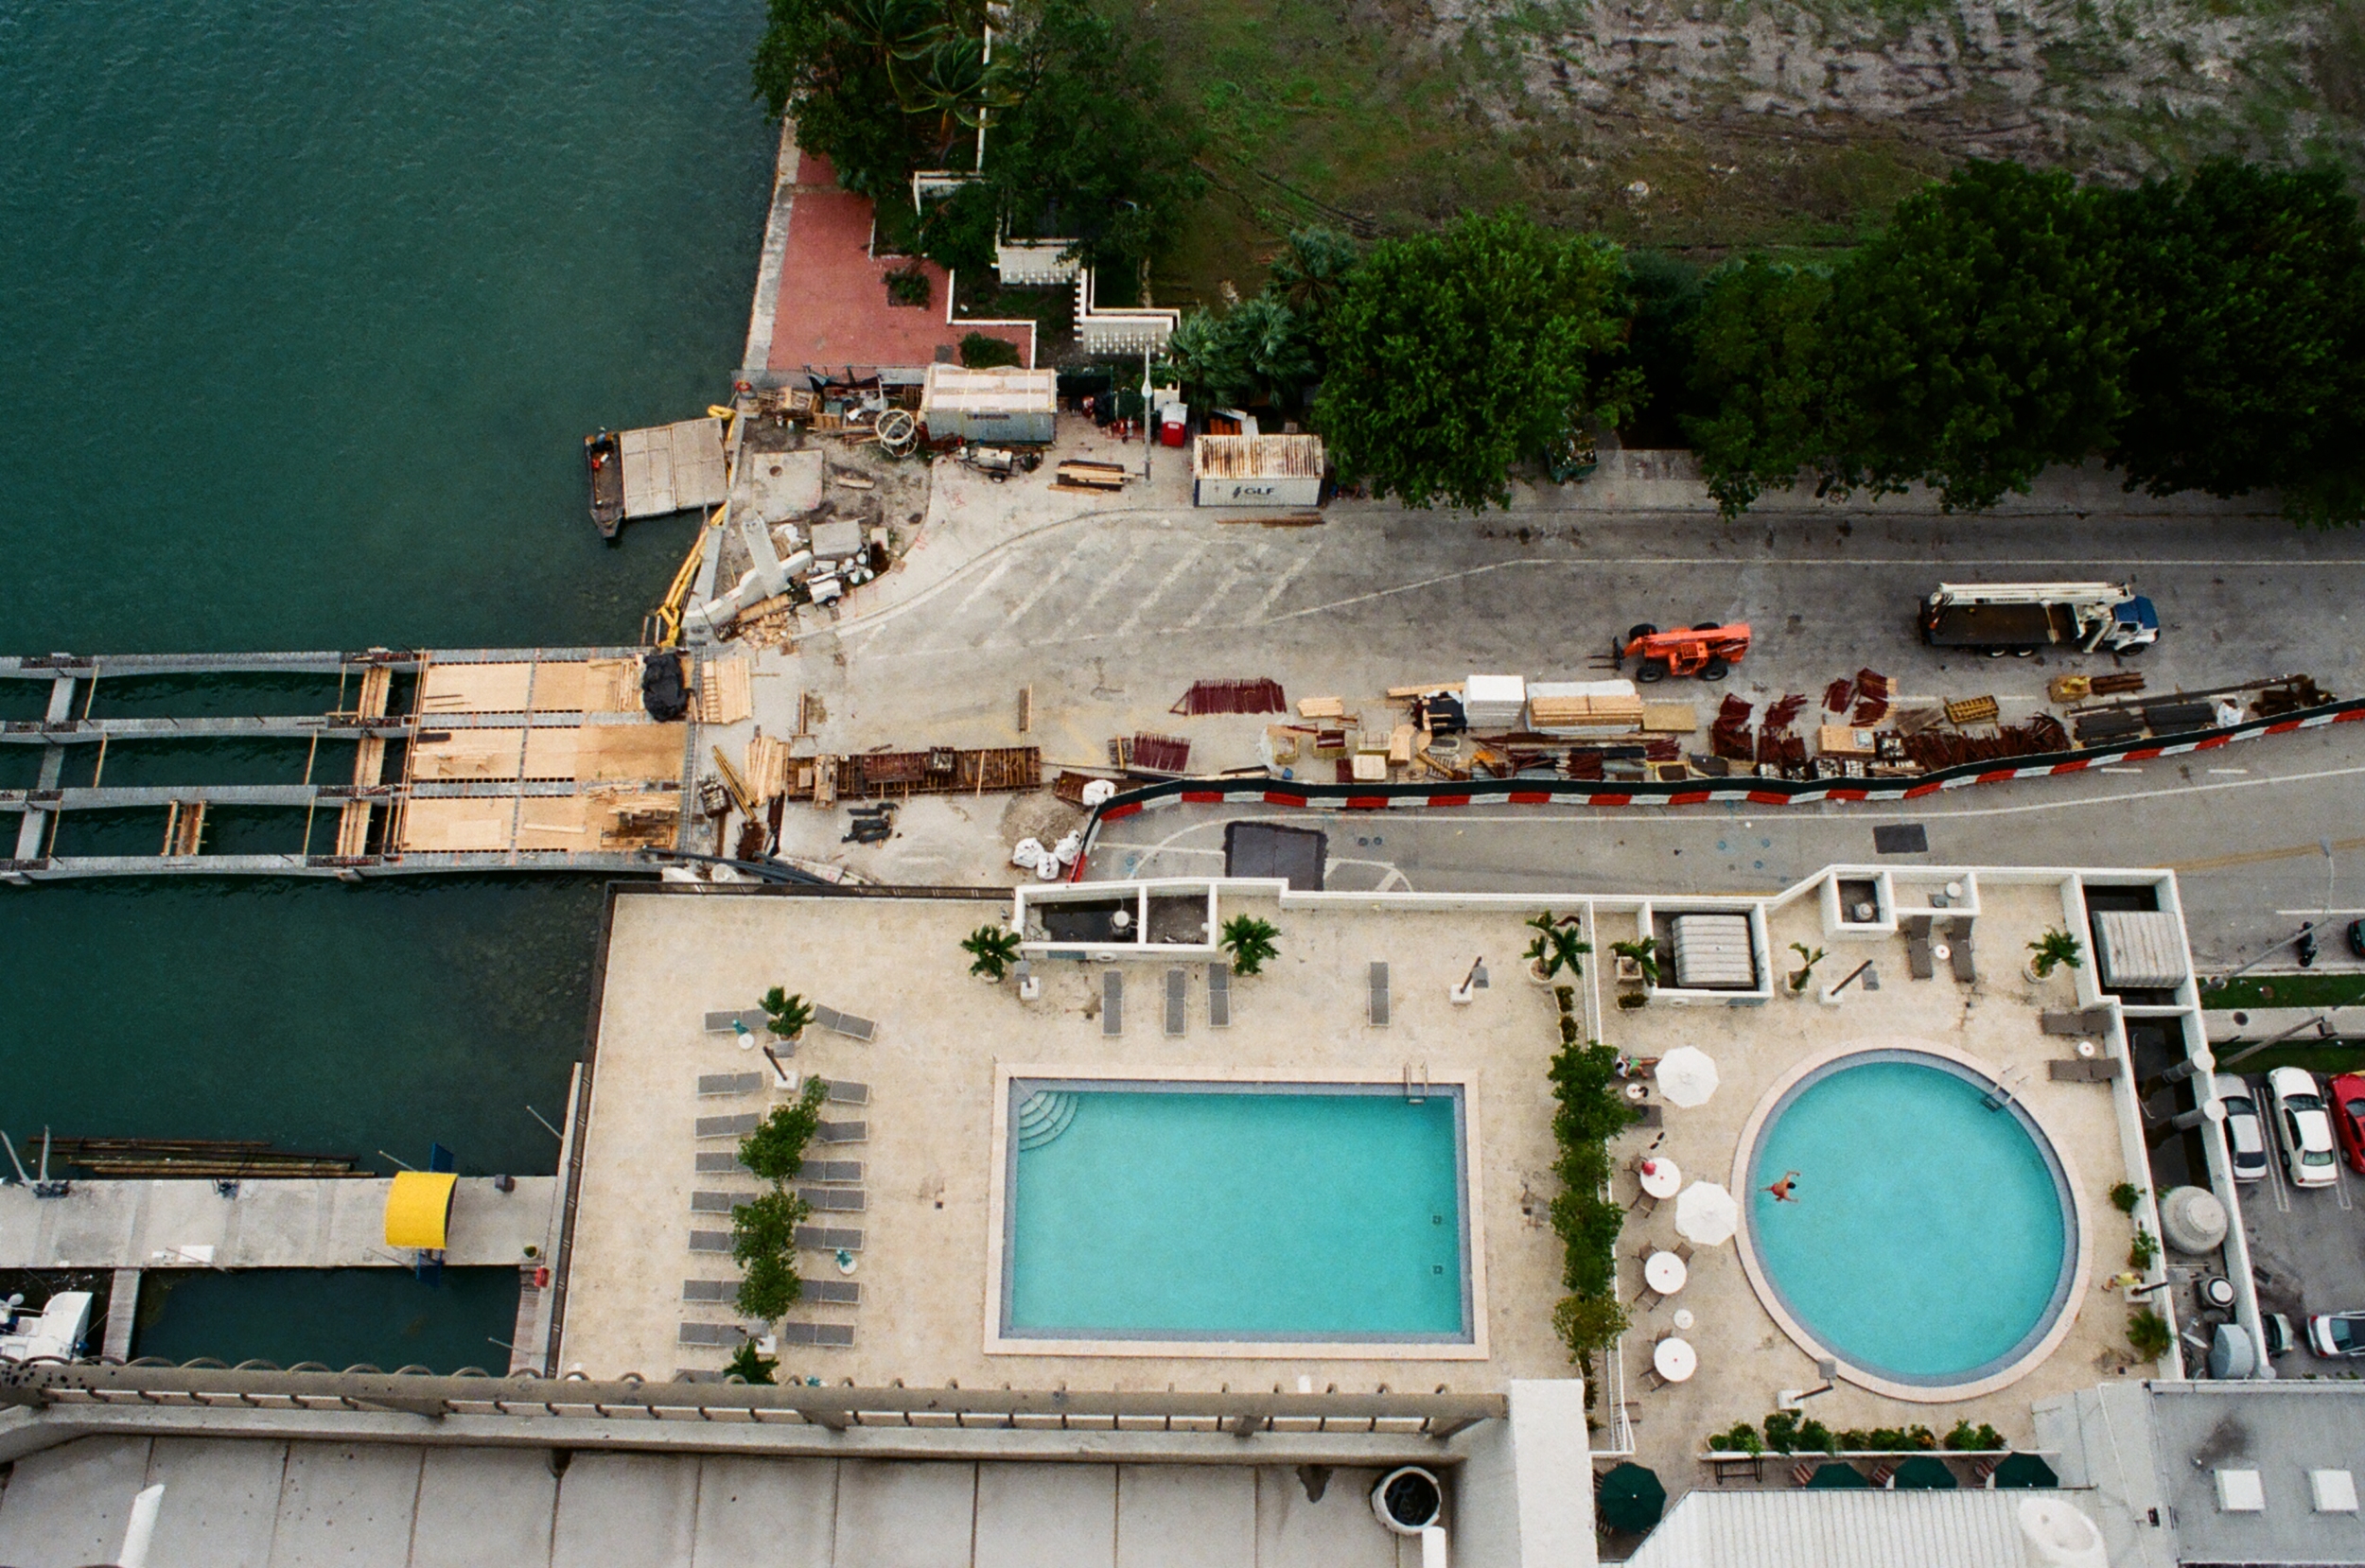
{"x":1708,"y":651}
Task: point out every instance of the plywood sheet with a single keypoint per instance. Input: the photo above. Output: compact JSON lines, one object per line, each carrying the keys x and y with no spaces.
{"x":672,"y":467}
{"x":611,"y":686}
{"x":457,"y":824}
{"x":475,"y":689}
{"x":553,"y":752}
{"x":615,"y":754}
{"x":467,"y":754}
{"x":1669,"y":718}
{"x":556,"y":822}
{"x":559,"y":687}
{"x":725,"y":692}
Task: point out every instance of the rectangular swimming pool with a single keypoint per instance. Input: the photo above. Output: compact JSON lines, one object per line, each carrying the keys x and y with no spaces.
{"x":1264,"y":1213}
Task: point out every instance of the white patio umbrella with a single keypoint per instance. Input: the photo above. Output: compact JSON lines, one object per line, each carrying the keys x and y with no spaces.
{"x":1707,"y":1213}
{"x":1686,"y":1076}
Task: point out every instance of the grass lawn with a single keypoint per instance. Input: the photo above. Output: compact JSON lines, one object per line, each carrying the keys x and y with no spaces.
{"x":1324,"y":114}
{"x":2289,"y":990}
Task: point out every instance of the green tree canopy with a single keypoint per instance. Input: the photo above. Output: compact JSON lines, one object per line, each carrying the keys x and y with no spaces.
{"x":1757,"y":361}
{"x":2251,"y":370}
{"x":1092,"y":148}
{"x":1982,"y":337}
{"x":1459,"y":353}
{"x":776,"y":1150}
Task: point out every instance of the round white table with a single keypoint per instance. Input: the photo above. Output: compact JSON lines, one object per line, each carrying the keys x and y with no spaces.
{"x":1664,"y":1273}
{"x":1675,"y":1359}
{"x":1683,"y":1319}
{"x":1659,"y":1178}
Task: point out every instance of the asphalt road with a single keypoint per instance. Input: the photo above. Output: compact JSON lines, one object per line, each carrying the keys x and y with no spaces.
{"x":1110,"y":617}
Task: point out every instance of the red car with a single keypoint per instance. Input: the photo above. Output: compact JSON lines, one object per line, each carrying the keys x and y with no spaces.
{"x":2348,"y":1118}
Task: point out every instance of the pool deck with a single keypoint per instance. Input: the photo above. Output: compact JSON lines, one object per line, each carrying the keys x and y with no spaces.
{"x":930,"y":1176}
{"x":929,"y":1171}
{"x":1745,"y":1355}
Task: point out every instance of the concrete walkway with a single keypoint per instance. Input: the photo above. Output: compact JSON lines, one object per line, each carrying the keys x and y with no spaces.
{"x":277,"y":1222}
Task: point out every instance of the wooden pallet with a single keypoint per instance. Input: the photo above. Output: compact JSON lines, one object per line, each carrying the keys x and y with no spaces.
{"x":1972,"y":710}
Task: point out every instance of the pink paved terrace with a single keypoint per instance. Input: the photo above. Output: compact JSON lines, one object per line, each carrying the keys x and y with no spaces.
{"x":833,"y":309}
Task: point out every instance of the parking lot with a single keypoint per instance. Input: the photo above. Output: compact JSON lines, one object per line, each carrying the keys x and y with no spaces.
{"x":2306,"y":1244}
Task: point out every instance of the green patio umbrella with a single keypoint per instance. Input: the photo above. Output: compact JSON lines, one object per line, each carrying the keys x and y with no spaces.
{"x":1923,"y":1474}
{"x":1834,"y":1474}
{"x":1630,"y":1499}
{"x":2024,"y":1470}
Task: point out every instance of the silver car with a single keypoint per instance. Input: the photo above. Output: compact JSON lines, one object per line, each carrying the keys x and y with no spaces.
{"x":2305,"y":1127}
{"x":2245,"y":1131}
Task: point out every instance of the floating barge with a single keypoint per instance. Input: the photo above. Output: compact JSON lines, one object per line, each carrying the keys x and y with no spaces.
{"x":537,"y":758}
{"x":654,"y":471}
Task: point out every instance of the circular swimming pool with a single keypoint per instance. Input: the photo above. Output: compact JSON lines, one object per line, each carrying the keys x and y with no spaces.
{"x":1931,"y":1239}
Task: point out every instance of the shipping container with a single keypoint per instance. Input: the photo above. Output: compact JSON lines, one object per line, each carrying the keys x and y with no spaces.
{"x":1257,"y":471}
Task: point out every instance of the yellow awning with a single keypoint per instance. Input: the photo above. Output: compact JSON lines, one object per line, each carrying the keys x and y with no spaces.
{"x":418,"y":1209}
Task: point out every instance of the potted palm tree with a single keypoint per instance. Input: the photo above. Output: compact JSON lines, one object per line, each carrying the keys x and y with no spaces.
{"x":2054,"y":949}
{"x":788,"y":1012}
{"x":1250,"y":941}
{"x":1638,"y":965}
{"x":992,"y":951}
{"x":1558,"y":945}
{"x":1808,"y":959}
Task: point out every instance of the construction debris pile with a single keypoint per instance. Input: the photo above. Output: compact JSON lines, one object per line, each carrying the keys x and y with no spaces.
{"x":1490,"y":726}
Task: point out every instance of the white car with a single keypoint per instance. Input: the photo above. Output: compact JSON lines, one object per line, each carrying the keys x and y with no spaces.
{"x":2305,"y":1127}
{"x":2244,"y":1133}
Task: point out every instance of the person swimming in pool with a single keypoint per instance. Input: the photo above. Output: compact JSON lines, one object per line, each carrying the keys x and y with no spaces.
{"x":1782,"y":1189}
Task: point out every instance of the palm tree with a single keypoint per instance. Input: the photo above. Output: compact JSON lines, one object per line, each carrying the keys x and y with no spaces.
{"x":992,"y":951}
{"x":1645,"y":956}
{"x":1310,"y":274}
{"x":1557,"y":946}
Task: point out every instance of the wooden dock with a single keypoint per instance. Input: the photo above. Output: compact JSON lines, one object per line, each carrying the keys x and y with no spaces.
{"x":500,"y":759}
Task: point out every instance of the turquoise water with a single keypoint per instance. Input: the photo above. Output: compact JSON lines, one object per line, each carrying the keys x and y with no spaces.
{"x":1929,"y":1238}
{"x":1175,"y":1213}
{"x":340,"y":1317}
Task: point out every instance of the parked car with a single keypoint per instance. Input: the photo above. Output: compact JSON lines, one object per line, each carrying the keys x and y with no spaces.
{"x":2305,"y":1127}
{"x":2357,"y":937}
{"x":2334,"y":1334}
{"x":2280,"y":1335}
{"x":2244,"y":1133}
{"x":2348,"y":1116}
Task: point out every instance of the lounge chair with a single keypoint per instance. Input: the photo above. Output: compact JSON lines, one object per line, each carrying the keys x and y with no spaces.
{"x":722,"y":1336}
{"x":710,"y":1290}
{"x":720,"y":1162}
{"x":2085,"y":1023}
{"x":831,"y":1169}
{"x":825,"y":1335}
{"x":833,"y":1200}
{"x":709,"y":1240}
{"x":843,"y":1023}
{"x":1112,"y":1004}
{"x":1959,"y":951}
{"x":843,"y":1132}
{"x":714,"y":1084}
{"x":729,"y":1022}
{"x":1919,"y":960}
{"x":2081,"y":1070}
{"x":831,"y":1293}
{"x":717,"y":1203}
{"x":1178,"y":1002}
{"x":823,"y":1238}
{"x":1219,"y":996}
{"x":728,"y":1126}
{"x":1380,"y":995}
{"x":844,"y":1092}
